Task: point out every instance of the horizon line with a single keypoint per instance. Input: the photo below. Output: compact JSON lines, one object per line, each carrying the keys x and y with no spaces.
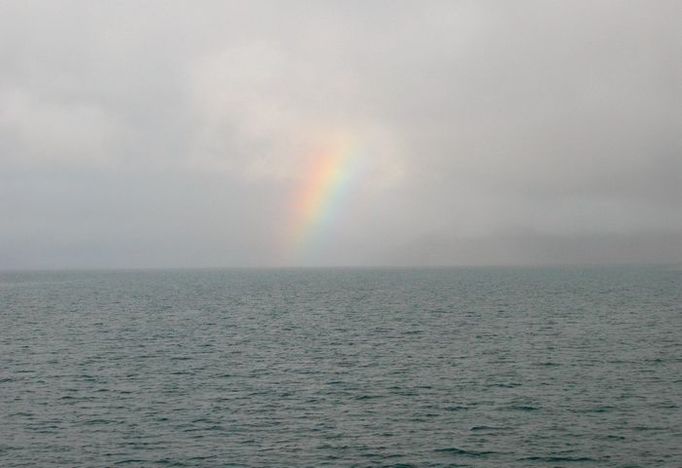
{"x":338,"y":267}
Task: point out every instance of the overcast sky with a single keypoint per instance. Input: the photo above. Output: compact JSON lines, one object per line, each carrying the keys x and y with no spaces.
{"x":178,"y":134}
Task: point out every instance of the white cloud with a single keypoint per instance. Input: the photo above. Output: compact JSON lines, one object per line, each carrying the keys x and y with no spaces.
{"x":51,"y":131}
{"x":263,"y":113}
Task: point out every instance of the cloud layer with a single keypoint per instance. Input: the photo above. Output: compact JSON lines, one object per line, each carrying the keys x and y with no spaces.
{"x":157,"y":134}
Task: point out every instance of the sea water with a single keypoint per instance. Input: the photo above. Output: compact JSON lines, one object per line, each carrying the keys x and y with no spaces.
{"x":424,"y":367}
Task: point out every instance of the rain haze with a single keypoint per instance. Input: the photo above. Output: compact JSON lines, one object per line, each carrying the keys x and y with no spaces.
{"x":259,"y":134}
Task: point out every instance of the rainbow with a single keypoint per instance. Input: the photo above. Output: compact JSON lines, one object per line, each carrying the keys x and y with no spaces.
{"x":327,"y":181}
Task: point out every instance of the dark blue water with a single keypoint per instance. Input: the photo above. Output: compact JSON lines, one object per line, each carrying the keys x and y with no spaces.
{"x":459,"y":367}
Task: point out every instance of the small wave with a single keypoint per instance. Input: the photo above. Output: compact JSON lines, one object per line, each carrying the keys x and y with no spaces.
{"x":467,"y":453}
{"x":455,"y":408}
{"x":648,"y":428}
{"x":524,"y":408}
{"x":93,"y":422}
{"x":559,"y":459}
{"x":487,"y":428}
{"x":596,"y":409}
{"x":169,"y":462}
{"x":505,"y":385}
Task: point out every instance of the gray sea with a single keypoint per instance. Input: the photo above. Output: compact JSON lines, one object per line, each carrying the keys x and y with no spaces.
{"x":475,"y":367}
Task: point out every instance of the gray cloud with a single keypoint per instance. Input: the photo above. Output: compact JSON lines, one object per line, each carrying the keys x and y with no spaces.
{"x":157,"y":133}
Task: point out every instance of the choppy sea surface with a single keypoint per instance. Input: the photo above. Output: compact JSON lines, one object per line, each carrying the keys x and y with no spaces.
{"x":404,"y":367}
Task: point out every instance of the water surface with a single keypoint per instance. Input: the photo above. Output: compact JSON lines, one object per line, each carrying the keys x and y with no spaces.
{"x":457,"y":367}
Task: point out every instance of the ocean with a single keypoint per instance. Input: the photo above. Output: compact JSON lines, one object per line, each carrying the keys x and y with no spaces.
{"x":482,"y":367}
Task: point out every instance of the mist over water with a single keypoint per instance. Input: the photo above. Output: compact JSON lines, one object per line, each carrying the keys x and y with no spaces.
{"x":428,"y":367}
{"x":265,"y":133}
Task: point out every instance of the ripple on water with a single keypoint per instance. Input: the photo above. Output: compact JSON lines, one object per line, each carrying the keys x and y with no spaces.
{"x":450,"y":367}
